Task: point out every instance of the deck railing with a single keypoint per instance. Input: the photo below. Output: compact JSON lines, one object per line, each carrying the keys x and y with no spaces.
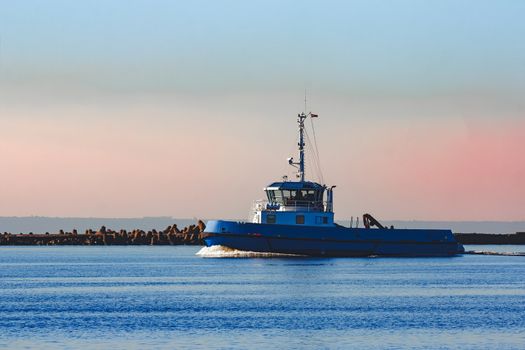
{"x":289,"y":205}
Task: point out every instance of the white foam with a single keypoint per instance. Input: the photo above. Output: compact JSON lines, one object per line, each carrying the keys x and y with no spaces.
{"x":480,"y":252}
{"x":219,"y":251}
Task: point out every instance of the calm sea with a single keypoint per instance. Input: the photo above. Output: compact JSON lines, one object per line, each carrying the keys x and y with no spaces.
{"x":167,"y":297}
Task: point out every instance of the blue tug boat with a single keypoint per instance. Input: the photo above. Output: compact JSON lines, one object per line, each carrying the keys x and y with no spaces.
{"x":297,"y":218}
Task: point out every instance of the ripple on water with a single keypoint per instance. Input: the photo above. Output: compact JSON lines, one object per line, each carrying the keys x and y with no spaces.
{"x":169,"y":297}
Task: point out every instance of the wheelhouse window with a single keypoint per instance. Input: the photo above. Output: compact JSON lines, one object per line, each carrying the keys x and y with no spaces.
{"x":275,"y":196}
{"x":299,"y":198}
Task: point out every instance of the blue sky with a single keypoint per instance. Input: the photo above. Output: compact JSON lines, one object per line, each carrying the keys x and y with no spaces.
{"x":374,"y":47}
{"x":125,"y":97}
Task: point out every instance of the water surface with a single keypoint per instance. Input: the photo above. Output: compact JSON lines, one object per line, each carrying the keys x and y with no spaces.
{"x":167,"y":297}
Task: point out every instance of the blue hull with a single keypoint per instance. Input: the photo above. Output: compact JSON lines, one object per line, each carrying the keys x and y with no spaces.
{"x":331,"y":241}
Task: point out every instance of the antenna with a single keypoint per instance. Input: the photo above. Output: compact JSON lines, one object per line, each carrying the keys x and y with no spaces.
{"x":304,"y":112}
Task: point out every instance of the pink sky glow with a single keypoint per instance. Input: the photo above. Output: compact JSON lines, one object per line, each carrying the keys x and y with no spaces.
{"x":172,"y":158}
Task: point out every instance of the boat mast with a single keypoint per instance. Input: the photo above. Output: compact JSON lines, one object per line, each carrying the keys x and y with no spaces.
{"x":300,"y":120}
{"x":301,"y":117}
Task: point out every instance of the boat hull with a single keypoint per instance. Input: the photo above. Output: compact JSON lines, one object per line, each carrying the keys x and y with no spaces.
{"x":331,"y":241}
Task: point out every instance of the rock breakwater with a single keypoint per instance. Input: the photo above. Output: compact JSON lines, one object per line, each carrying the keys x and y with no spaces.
{"x":189,"y":235}
{"x":171,"y":235}
{"x":488,"y":238}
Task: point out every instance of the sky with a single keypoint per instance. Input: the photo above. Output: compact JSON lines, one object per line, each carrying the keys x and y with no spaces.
{"x":188,"y":108}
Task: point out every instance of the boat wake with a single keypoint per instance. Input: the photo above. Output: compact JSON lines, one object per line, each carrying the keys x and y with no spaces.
{"x":219,"y":251}
{"x":479,"y":252}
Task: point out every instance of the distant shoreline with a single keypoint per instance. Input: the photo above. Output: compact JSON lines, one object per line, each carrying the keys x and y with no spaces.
{"x":194,"y":238}
{"x":41,"y":224}
{"x":38,"y":230}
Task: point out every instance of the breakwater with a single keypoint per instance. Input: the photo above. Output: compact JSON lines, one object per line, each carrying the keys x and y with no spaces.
{"x":486,"y":238}
{"x":189,"y":235}
{"x":171,"y":235}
